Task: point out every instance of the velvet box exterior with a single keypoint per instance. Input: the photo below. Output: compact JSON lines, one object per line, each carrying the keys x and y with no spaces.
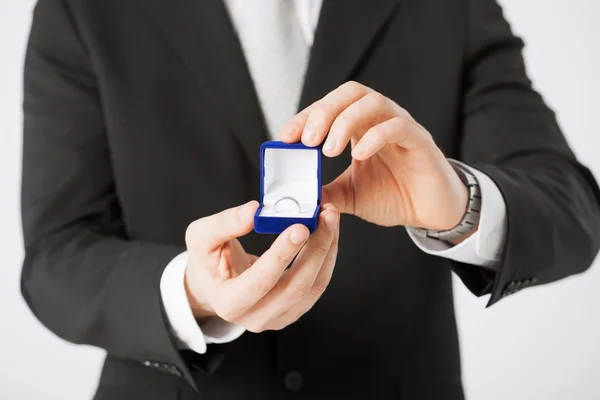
{"x":290,"y":187}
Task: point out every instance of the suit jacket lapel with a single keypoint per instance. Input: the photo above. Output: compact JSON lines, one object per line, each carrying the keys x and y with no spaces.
{"x":346,"y":30}
{"x":201,"y":33}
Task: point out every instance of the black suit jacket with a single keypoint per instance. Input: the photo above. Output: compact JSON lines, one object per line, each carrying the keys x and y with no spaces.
{"x":140,"y":117}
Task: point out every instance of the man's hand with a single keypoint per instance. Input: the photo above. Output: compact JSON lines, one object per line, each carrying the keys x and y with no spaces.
{"x":398,"y":175}
{"x":258,"y":293}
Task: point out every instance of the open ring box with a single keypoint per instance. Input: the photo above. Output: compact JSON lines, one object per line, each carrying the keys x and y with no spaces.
{"x":290,"y":187}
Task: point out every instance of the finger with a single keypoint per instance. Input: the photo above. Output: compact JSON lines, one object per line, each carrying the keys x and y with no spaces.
{"x":296,"y":283}
{"x":326,"y":260}
{"x":357,"y":119}
{"x":398,"y":130}
{"x":326,"y":272}
{"x":319,"y":286}
{"x":326,"y":111}
{"x":291,"y":132}
{"x":211,"y":232}
{"x":312,"y":124}
{"x":237,"y":260}
{"x":300,"y":278}
{"x":258,"y":280}
{"x":340,"y":193}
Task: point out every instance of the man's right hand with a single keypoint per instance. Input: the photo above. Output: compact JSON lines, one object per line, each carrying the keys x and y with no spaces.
{"x":258,"y":293}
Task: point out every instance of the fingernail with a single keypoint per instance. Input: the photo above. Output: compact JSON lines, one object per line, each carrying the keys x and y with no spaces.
{"x":359,"y":149}
{"x":310,"y":133}
{"x":298,"y":235}
{"x":329,"y":144}
{"x":331,"y":222}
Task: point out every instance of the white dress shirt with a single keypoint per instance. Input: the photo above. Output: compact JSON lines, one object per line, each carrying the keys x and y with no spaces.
{"x":482,"y":249}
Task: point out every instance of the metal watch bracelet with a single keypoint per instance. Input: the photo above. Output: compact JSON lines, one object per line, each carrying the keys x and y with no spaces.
{"x":469,"y":220}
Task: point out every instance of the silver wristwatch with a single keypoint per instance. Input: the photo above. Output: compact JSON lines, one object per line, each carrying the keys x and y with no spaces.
{"x":471,"y":217}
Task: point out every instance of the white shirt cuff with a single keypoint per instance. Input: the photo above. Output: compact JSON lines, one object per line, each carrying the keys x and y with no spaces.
{"x":484,"y":248}
{"x":188,"y":334}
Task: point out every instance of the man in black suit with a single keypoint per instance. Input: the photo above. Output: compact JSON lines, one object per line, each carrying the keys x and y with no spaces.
{"x":143,"y":122}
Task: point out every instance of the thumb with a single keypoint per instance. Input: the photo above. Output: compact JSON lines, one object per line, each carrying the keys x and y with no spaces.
{"x":211,"y":232}
{"x":340,"y":193}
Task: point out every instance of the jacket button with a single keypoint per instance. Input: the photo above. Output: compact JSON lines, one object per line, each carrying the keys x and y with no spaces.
{"x":293,"y":381}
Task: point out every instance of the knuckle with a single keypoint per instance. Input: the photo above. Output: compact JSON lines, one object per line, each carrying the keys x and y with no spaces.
{"x":257,"y":286}
{"x":228,"y":314}
{"x":354,"y":88}
{"x":378,"y":131}
{"x":285,"y":320}
{"x":432,"y":154}
{"x":321,"y":249}
{"x":400,"y":123}
{"x":295,"y":125}
{"x":427,"y":138}
{"x":224,"y":216}
{"x":256,"y":327}
{"x":229,"y":311}
{"x":299,"y":291}
{"x":283,"y":259}
{"x":318,"y":289}
{"x":236,"y":215}
{"x":377,"y":99}
{"x":279,"y":326}
{"x":323,"y":109}
{"x":343,"y":122}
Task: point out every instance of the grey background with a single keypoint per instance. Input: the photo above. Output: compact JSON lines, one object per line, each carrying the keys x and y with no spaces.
{"x":543,"y":343}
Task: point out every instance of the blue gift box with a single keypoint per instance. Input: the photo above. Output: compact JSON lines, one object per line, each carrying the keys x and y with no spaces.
{"x":290,"y":187}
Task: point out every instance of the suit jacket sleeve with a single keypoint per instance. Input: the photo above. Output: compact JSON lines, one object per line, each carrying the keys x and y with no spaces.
{"x":82,"y":276}
{"x":509,"y":133}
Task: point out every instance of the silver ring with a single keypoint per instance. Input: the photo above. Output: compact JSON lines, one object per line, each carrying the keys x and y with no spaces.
{"x":289,"y":198}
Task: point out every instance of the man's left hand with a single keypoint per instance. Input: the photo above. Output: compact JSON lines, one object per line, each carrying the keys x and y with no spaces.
{"x":398,"y":176}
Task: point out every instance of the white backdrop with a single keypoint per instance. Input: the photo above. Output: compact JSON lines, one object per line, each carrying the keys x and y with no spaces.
{"x":543,"y":343}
